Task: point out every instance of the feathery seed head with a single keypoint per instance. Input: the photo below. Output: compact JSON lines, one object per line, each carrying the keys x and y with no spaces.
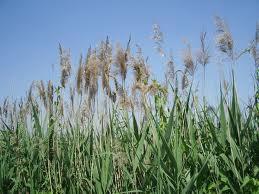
{"x":153,"y":88}
{"x":65,"y":64}
{"x":42,"y":93}
{"x":203,"y":53}
{"x":125,"y":101}
{"x":85,"y":111}
{"x":185,"y":81}
{"x":158,"y":38}
{"x":121,"y":60}
{"x":138,"y":86}
{"x":224,"y":40}
{"x":79,"y":76}
{"x":188,"y":61}
{"x":105,"y":57}
{"x":93,"y":73}
{"x":50,"y":95}
{"x":50,"y":91}
{"x":254,"y":46}
{"x":170,"y":68}
{"x":140,"y":67}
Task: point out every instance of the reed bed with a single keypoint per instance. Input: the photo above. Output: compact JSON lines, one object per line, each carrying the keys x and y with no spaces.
{"x":111,"y":128}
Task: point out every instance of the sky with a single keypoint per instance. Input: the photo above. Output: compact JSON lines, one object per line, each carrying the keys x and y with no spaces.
{"x":30,"y":31}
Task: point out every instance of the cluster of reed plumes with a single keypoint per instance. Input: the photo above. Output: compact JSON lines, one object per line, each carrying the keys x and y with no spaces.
{"x":112,"y":129}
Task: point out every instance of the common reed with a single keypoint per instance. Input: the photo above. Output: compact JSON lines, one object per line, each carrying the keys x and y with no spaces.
{"x":79,"y":77}
{"x":224,"y":40}
{"x":148,"y":137}
{"x":93,"y":71}
{"x":105,"y":56}
{"x":42,"y":93}
{"x":121,"y":61}
{"x":158,"y":38}
{"x":65,"y":65}
{"x":188,"y":61}
{"x":170,"y":69}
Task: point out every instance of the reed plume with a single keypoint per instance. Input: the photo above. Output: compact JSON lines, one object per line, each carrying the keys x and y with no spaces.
{"x":121,"y":60}
{"x":85,"y":111}
{"x":138,"y":86}
{"x":140,"y":67}
{"x":188,"y":60}
{"x":142,"y":132}
{"x":79,"y":76}
{"x":125,"y":101}
{"x":87,"y":73}
{"x":158,"y":38}
{"x":170,"y":69}
{"x":185,"y":80}
{"x":153,"y":88}
{"x":254,"y":47}
{"x":65,"y":64}
{"x":50,"y":93}
{"x":224,"y":40}
{"x":203,"y":53}
{"x":93,"y":73}
{"x":42,"y":93}
{"x":105,"y":57}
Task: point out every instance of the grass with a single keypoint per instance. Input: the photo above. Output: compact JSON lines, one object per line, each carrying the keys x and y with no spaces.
{"x":154,"y":139}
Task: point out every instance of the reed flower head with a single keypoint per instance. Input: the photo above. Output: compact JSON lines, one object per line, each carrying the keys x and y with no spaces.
{"x":121,"y":60}
{"x":87,"y":73}
{"x":170,"y":68}
{"x":42,"y":93}
{"x":203,"y":53}
{"x":254,"y":46}
{"x":50,"y":93}
{"x":158,"y":38}
{"x":93,"y":73}
{"x":125,"y":101}
{"x":85,"y":111}
{"x":140,"y":67}
{"x":65,"y":64}
{"x":105,"y":57}
{"x":188,"y":61}
{"x":79,"y":76}
{"x":224,"y":40}
{"x":185,"y":81}
{"x":50,"y":90}
{"x":138,"y":86}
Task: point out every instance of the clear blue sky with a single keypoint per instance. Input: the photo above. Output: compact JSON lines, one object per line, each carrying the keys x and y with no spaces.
{"x":30,"y":31}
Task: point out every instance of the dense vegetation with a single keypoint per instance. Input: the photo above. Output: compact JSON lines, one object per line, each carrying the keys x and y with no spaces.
{"x":108,"y":134}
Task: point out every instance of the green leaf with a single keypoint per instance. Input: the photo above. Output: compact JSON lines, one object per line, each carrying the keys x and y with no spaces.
{"x":135,"y":127}
{"x":189,"y":185}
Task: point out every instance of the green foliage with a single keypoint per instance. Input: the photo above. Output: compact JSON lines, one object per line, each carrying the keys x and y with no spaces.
{"x":179,"y":151}
{"x":152,"y":139}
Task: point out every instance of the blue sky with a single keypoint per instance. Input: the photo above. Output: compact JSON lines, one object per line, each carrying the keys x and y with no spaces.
{"x":30,"y":31}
